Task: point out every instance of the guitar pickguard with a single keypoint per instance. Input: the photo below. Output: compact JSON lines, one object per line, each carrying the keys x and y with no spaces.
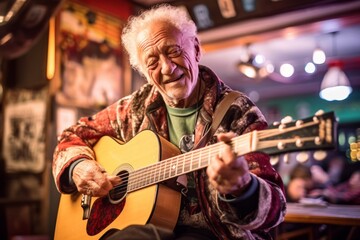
{"x":102,"y":214}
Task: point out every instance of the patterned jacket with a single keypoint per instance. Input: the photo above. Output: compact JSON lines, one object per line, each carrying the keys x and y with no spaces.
{"x":145,"y":109}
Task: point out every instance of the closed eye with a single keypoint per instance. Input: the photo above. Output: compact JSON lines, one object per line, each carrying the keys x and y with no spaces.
{"x":152,"y":63}
{"x":174,"y":52}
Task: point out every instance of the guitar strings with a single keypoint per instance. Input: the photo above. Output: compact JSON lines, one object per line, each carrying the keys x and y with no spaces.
{"x":168,"y":168}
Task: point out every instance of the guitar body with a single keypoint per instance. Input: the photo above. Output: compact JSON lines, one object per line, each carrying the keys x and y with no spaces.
{"x":156,"y":204}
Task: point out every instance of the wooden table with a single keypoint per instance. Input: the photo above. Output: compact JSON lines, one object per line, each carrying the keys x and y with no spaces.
{"x":332,"y":214}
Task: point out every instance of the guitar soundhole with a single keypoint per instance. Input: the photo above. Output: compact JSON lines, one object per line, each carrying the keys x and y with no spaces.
{"x":119,"y":192}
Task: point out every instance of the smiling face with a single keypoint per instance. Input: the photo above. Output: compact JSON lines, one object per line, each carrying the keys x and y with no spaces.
{"x":169,"y":60}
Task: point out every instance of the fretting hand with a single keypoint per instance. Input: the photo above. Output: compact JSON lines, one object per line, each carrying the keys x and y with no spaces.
{"x":228,"y":173}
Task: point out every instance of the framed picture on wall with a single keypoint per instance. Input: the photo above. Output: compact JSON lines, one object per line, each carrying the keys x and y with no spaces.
{"x":24,"y":130}
{"x":92,"y":65}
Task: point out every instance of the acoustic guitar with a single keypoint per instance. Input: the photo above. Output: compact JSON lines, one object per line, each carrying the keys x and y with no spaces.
{"x":148,"y":160}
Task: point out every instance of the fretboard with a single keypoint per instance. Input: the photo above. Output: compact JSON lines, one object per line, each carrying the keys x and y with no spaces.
{"x":185,"y":163}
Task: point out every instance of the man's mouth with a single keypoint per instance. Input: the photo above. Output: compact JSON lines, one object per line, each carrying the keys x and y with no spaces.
{"x":173,"y":79}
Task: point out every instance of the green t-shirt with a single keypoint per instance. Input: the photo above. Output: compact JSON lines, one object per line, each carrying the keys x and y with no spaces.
{"x":181,"y":122}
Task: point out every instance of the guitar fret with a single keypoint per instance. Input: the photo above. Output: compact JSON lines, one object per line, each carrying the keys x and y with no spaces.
{"x":189,"y":162}
{"x":133,"y":184}
{"x":162,"y":171}
{"x":136,"y":184}
{"x":186,"y":165}
{"x":193,"y":164}
{"x":155,"y":173}
{"x":145,"y":177}
{"x":165,"y":171}
{"x":169,"y":167}
{"x":130,"y":185}
{"x":173,"y":170}
{"x":183,"y":163}
{"x":179,"y":168}
{"x":149,"y":176}
{"x":199,"y":161}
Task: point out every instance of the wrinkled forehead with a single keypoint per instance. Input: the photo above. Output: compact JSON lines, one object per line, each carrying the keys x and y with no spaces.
{"x":157,"y":30}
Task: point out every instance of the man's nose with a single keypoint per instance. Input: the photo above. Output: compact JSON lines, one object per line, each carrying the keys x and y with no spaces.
{"x":167,"y":66}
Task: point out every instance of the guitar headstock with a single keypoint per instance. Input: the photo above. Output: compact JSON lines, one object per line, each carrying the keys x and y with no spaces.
{"x":316,"y":132}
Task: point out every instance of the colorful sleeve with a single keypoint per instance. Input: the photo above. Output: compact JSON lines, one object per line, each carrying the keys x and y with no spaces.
{"x":270,"y":207}
{"x":76,"y":142}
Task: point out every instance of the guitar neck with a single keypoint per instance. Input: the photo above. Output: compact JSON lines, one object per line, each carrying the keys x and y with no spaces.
{"x":184,"y":163}
{"x":316,"y":132}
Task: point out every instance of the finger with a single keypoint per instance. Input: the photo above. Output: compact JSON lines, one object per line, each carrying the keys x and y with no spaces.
{"x":227,"y":155}
{"x":98,"y":190}
{"x":91,"y":179}
{"x":87,"y":188}
{"x":114,"y":180}
{"x":213,"y":171}
{"x":226,"y":137}
{"x":227,"y":152}
{"x":102,"y":184}
{"x":216,"y":164}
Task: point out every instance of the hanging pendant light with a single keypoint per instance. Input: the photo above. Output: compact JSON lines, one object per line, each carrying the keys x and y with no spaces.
{"x":335,"y":85}
{"x":250,"y":67}
{"x":319,"y":56}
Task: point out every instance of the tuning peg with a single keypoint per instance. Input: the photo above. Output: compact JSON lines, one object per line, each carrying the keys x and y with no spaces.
{"x":319,"y":112}
{"x":276,"y":123}
{"x":286,"y":119}
{"x":299,"y":123}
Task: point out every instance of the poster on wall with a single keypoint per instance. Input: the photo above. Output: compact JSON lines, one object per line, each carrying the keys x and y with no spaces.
{"x":91,"y":65}
{"x":24,"y":130}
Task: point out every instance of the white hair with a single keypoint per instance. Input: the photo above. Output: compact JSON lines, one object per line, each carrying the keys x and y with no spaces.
{"x":175,"y":16}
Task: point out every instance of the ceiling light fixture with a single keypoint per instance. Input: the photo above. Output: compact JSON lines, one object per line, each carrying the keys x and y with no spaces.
{"x":335,"y":85}
{"x":319,"y":56}
{"x":287,"y":70}
{"x":310,"y":68}
{"x":250,"y":65}
{"x":248,"y":68}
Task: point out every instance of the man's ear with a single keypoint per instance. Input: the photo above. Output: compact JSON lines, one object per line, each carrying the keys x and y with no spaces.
{"x":197,"y":49}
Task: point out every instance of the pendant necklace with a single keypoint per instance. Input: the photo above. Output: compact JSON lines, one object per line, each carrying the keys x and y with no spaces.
{"x":187,"y":142}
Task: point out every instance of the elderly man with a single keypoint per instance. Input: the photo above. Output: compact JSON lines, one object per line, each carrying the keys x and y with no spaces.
{"x":236,"y":196}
